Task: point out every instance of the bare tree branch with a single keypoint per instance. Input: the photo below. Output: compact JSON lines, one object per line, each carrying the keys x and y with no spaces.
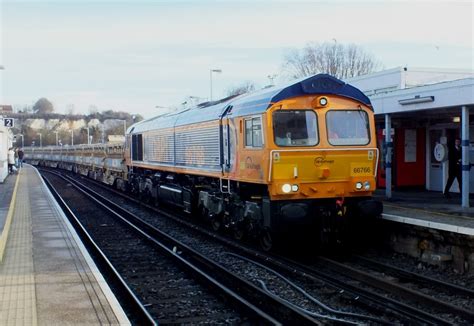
{"x":240,"y":89}
{"x":341,"y":61}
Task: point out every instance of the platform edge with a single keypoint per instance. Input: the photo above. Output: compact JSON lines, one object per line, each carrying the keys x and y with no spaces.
{"x":110,"y":296}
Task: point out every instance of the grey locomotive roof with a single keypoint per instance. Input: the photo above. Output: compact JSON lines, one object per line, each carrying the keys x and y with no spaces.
{"x":254,"y":103}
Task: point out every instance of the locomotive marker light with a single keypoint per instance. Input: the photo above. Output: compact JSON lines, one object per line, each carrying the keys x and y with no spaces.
{"x":367,"y":185}
{"x":319,"y":102}
{"x":294,"y":188}
{"x":359,"y":185}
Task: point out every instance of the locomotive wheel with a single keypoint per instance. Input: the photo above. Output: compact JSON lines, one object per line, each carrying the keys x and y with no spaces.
{"x":216,"y":223}
{"x":266,"y":241}
{"x":238,"y":233}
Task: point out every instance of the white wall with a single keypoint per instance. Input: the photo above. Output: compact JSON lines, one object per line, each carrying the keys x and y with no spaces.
{"x":378,"y":82}
{"x":5,"y":143}
{"x":420,"y":77}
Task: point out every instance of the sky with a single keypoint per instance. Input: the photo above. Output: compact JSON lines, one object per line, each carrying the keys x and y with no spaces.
{"x":148,"y":56}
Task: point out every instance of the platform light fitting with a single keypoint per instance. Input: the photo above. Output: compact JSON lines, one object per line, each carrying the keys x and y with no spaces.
{"x":457,"y":119}
{"x":417,"y":99}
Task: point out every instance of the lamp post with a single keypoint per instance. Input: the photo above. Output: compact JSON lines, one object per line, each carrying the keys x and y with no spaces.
{"x":56,"y":132}
{"x":271,"y":77}
{"x":1,"y":95}
{"x":41,"y":141}
{"x":196,"y":99}
{"x":210,"y":75}
{"x":88,"y":136}
{"x":72,"y":137}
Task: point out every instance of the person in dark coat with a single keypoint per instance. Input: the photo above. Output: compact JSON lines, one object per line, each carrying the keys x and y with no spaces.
{"x":455,"y":167}
{"x":20,"y":157}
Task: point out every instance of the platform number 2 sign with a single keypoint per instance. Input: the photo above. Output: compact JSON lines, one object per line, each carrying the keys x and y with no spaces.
{"x":8,"y":122}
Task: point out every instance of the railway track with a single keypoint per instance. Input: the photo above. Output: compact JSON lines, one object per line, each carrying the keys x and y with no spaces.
{"x":445,"y":297}
{"x":371,"y":301}
{"x":250,"y":300}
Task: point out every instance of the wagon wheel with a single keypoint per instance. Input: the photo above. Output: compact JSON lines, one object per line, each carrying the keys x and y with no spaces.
{"x":146,"y":196}
{"x":265,"y":239}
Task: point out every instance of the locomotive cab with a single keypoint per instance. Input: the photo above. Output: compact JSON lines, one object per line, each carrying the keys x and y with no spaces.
{"x":332,"y":145}
{"x":323,"y":160}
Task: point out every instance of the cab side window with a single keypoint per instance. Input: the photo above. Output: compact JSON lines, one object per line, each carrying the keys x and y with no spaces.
{"x":253,"y":132}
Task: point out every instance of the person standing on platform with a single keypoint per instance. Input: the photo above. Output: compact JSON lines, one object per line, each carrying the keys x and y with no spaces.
{"x":20,"y":157}
{"x":11,"y":159}
{"x":455,"y":167}
{"x":16,"y":158}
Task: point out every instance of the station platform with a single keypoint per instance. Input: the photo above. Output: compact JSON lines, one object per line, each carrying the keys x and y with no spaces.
{"x":428,"y":209}
{"x":46,"y":275}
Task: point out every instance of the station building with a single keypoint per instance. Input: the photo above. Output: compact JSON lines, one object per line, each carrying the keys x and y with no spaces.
{"x":424,"y":111}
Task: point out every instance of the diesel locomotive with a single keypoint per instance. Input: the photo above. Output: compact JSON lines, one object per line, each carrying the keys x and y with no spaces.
{"x":298,"y":156}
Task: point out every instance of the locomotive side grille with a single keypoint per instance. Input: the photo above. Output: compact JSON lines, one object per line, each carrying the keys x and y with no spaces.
{"x":159,"y":147}
{"x":198,"y":147}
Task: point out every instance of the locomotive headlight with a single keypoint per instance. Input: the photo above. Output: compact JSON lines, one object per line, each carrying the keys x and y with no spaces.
{"x":294,"y":188}
{"x":359,"y":185}
{"x":367,"y":185}
{"x":323,"y":101}
{"x":286,"y":188}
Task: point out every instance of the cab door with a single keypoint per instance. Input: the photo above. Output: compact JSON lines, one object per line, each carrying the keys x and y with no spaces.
{"x":225,"y":153}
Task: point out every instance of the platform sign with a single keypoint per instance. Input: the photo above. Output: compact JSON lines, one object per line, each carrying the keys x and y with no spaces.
{"x":8,"y":122}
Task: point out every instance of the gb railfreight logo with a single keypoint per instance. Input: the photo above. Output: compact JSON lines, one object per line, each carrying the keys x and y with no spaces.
{"x":318,"y":161}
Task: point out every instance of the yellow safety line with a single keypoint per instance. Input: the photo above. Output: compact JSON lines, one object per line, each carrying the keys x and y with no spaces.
{"x":8,"y":222}
{"x":426,"y":211}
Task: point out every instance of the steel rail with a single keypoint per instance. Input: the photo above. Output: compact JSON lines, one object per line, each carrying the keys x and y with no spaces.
{"x":299,"y":269}
{"x":121,"y":289}
{"x":273,"y":309}
{"x":455,"y":289}
{"x":415,"y":314}
{"x":395,"y":288}
{"x":282,"y":263}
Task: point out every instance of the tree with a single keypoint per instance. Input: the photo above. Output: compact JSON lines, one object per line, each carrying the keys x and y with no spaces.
{"x":245,"y":87}
{"x":43,"y":106}
{"x":70,"y":109}
{"x":93,"y":110}
{"x":338,"y":60}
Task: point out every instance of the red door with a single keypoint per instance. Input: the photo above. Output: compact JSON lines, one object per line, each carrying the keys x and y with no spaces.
{"x":410,"y":157}
{"x":382,"y":152}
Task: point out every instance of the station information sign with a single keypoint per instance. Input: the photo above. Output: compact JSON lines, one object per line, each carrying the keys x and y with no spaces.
{"x":8,"y":122}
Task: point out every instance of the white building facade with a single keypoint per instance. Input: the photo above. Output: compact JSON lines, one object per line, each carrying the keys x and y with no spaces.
{"x":5,"y":144}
